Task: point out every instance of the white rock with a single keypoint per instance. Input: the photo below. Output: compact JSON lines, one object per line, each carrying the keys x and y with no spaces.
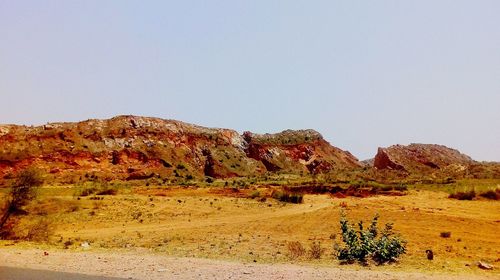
{"x":483,"y":265}
{"x":85,"y":245}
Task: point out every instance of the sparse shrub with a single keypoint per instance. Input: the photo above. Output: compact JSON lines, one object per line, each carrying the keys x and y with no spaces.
{"x":68,"y":243}
{"x":181,"y":166}
{"x":96,"y":205}
{"x":463,"y":195}
{"x":86,"y":191}
{"x":386,"y":188}
{"x":295,"y":249}
{"x":315,"y":250}
{"x":107,"y":191}
{"x":448,"y":180}
{"x":95,"y":188}
{"x":363,"y":244}
{"x":40,"y":231}
{"x":376,"y":189}
{"x":165,"y":163}
{"x":136,"y":215}
{"x":73,"y":208}
{"x":289,"y":197}
{"x":494,"y":195}
{"x":401,"y":188}
{"x":295,"y":198}
{"x":255,"y":194}
{"x":44,"y":207}
{"x":445,"y":234}
{"x":470,"y":195}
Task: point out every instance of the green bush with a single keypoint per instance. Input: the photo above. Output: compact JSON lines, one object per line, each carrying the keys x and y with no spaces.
{"x":368,"y":243}
{"x":388,"y":247}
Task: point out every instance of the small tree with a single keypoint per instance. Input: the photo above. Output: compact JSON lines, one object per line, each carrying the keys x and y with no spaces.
{"x":21,"y":193}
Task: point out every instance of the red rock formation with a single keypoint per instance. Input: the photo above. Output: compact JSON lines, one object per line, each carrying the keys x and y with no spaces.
{"x":420,"y":158}
{"x":130,"y":147}
{"x":383,"y":161}
{"x":303,"y":150}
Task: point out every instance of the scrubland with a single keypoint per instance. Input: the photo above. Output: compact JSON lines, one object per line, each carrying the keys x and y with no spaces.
{"x":250,"y":224}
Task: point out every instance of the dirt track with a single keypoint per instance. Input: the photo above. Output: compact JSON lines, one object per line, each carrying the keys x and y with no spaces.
{"x":141,"y":265}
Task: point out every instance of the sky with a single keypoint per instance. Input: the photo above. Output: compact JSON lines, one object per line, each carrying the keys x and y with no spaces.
{"x":365,"y":74}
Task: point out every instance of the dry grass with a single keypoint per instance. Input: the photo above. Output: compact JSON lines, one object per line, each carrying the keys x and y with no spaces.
{"x":50,"y":206}
{"x":295,"y":249}
{"x":37,"y":229}
{"x":40,"y":230}
{"x":315,"y":250}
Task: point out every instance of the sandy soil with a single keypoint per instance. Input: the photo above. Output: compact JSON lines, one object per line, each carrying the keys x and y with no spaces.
{"x":188,"y":233}
{"x":144,"y":265}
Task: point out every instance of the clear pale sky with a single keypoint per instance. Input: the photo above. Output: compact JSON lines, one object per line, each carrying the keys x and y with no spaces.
{"x":363,"y":73}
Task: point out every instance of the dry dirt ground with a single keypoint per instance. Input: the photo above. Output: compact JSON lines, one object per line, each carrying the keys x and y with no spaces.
{"x":140,"y":265}
{"x":180,"y":229}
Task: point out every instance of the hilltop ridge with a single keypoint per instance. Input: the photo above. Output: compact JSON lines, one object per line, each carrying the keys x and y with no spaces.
{"x":136,"y":148}
{"x":132,"y":147}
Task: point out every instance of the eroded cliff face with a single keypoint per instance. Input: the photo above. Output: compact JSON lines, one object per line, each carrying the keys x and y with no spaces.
{"x":131,"y":147}
{"x":303,"y":150}
{"x":421,"y":158}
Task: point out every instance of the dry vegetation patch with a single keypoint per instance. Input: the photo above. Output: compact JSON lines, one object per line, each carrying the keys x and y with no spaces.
{"x":472,"y":194}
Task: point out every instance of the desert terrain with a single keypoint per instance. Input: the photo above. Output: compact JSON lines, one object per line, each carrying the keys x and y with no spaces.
{"x":230,"y":225}
{"x":290,"y":140}
{"x":148,"y":198}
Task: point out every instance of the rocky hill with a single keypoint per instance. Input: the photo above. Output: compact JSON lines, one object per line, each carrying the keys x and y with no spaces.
{"x":421,"y":158}
{"x":131,"y":147}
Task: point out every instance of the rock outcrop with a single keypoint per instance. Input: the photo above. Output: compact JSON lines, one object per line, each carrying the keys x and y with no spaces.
{"x":304,"y":150}
{"x":131,"y":147}
{"x":421,"y":158}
